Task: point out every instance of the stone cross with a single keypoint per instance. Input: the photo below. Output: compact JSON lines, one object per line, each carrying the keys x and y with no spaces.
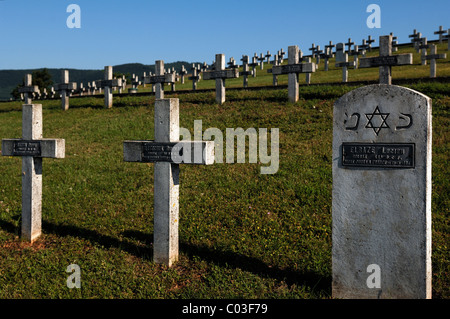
{"x":417,"y":41}
{"x":381,"y":194}
{"x":254,"y":64}
{"x":328,"y":54}
{"x":28,"y":89}
{"x":424,"y":46}
{"x":433,"y":57}
{"x":281,"y":54}
{"x":312,"y":49}
{"x":108,"y":83}
{"x":245,"y":70}
{"x":268,"y":55}
{"x":342,"y":61}
{"x":363,"y":47}
{"x":165,"y":152}
{"x":349,"y":45}
{"x":447,"y":37}
{"x":220,"y":74}
{"x":394,"y":43}
{"x":261,"y":61}
{"x":441,"y":33}
{"x":159,"y":79}
{"x":32,"y":148}
{"x":195,"y":77}
{"x":386,"y":60}
{"x":355,"y":54}
{"x":65,"y":88}
{"x":275,"y":62}
{"x":183,"y":72}
{"x":369,"y":43}
{"x":292,"y":69}
{"x":318,"y":52}
{"x":232,"y":64}
{"x":413,"y":36}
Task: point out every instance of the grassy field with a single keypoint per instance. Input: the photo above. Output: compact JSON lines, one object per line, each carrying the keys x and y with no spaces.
{"x":242,"y":234}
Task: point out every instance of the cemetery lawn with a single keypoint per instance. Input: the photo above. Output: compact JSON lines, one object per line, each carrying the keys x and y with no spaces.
{"x":242,"y":234}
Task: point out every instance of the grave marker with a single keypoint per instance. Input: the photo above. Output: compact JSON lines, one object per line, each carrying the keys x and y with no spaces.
{"x":162,"y":152}
{"x":220,"y":74}
{"x":441,"y":33}
{"x":342,"y":61}
{"x":292,"y":69}
{"x":381,"y":197}
{"x":108,"y":83}
{"x":268,"y":55}
{"x":65,"y":88}
{"x":32,"y":148}
{"x":433,"y":57}
{"x":195,"y":77}
{"x":183,"y":72}
{"x":28,"y":89}
{"x":254,"y":64}
{"x":386,"y":60}
{"x":369,"y":43}
{"x":261,"y":61}
{"x":328,"y":54}
{"x":424,"y":46}
{"x":159,"y":79}
{"x":245,"y":70}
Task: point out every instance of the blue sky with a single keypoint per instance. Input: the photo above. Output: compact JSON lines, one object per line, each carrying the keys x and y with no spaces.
{"x":34,"y":33}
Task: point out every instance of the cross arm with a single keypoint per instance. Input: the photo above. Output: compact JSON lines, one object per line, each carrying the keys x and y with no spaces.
{"x":71,"y":86}
{"x":221,"y":74}
{"x":45,"y":148}
{"x":294,"y":68}
{"x":183,"y":152}
{"x":108,"y":83}
{"x":29,"y":89}
{"x":392,"y":60}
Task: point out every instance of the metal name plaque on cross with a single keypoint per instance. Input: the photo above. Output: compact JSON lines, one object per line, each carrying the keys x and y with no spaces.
{"x":160,"y":152}
{"x":27,"y":148}
{"x":378,"y":155}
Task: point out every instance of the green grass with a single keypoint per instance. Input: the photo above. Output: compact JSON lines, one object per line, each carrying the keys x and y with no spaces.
{"x":242,"y":234}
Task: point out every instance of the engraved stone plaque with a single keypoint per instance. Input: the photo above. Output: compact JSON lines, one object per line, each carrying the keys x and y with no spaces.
{"x":380,"y":155}
{"x":27,"y":148}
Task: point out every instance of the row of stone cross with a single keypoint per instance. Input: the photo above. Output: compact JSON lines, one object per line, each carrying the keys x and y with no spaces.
{"x":296,"y":64}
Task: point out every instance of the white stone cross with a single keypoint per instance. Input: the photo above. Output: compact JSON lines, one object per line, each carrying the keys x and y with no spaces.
{"x":167,"y":152}
{"x":433,"y":57}
{"x":65,"y":88}
{"x":32,"y":148}
{"x":183,"y":72}
{"x":441,"y":33}
{"x":342,"y":61}
{"x":220,"y":74}
{"x":292,"y":69}
{"x":245,"y":70}
{"x":328,"y":54}
{"x":159,"y":79}
{"x":386,"y":60}
{"x":195,"y":76}
{"x":28,"y":89}
{"x":108,"y":83}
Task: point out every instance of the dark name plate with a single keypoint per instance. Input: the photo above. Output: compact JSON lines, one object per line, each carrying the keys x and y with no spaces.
{"x":159,"y":152}
{"x":27,"y":148}
{"x":383,"y":155}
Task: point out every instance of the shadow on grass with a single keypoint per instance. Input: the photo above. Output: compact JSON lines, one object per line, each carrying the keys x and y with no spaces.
{"x":224,"y":258}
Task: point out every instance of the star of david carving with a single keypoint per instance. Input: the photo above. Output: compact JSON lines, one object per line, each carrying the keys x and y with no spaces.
{"x":377,"y":120}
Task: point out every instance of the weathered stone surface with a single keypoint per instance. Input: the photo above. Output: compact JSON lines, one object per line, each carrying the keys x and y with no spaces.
{"x":382,"y":213}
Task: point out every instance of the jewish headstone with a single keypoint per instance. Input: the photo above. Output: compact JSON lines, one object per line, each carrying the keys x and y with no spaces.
{"x":381,"y":197}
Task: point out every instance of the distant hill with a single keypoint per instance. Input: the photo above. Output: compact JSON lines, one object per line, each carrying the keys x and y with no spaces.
{"x":9,"y":79}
